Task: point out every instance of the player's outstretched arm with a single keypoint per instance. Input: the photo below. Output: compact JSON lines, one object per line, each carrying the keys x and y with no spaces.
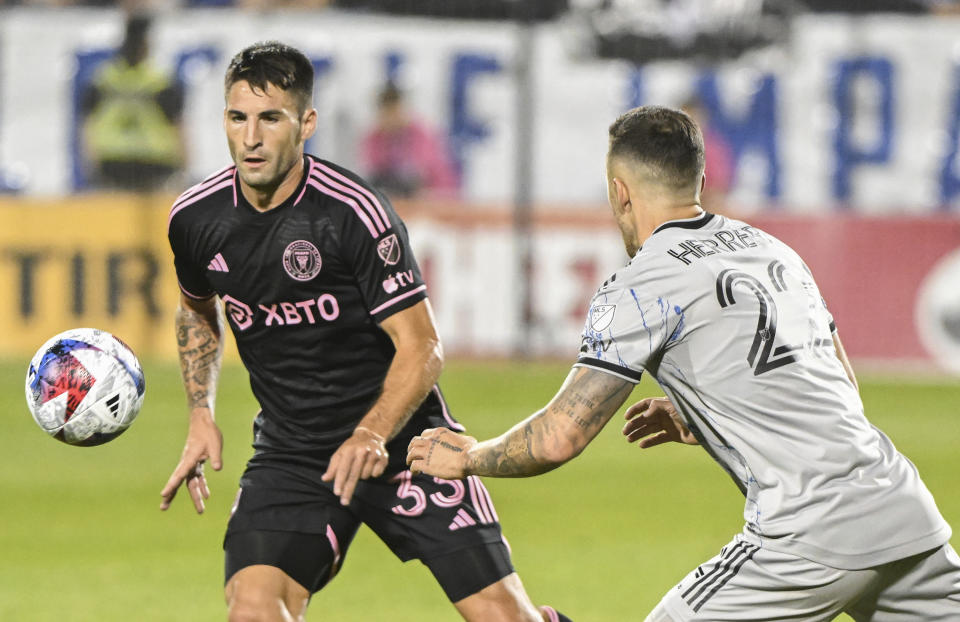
{"x":542,"y":442}
{"x":414,"y":370}
{"x":200,"y":347}
{"x":653,"y":421}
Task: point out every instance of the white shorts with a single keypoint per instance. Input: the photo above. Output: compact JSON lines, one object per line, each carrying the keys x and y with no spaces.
{"x":748,"y":583}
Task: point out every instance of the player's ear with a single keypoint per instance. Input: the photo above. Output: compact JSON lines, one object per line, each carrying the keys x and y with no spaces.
{"x":622,"y":194}
{"x":308,"y":124}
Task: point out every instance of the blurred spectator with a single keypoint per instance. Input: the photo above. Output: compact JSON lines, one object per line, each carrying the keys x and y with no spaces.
{"x":402,"y":156}
{"x":264,"y":5}
{"x":132,"y":135}
{"x":64,"y":3}
{"x":943,"y":7}
{"x":866,"y":6}
{"x":718,"y":156}
{"x":534,"y":10}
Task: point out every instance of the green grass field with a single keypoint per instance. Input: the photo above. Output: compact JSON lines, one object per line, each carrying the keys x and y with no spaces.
{"x":82,"y":539}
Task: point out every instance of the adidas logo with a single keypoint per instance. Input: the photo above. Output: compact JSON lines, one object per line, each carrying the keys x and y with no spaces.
{"x":217,"y":264}
{"x":462,"y":519}
{"x":113,"y":403}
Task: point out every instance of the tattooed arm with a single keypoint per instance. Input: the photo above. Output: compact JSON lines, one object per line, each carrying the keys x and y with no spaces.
{"x":540,"y":443}
{"x":200,"y":346}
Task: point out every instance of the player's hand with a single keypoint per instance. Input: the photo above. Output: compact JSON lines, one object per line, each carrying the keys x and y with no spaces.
{"x":204,"y":442}
{"x":653,"y":421}
{"x":361,"y":456}
{"x":440,"y":452}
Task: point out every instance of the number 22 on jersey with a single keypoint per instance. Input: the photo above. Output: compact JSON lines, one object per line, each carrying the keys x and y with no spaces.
{"x":764,"y":355}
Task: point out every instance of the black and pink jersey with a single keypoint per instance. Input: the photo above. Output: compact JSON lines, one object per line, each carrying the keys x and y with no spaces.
{"x":304,"y":286}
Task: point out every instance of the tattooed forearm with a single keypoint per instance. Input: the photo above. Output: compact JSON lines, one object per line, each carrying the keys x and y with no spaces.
{"x":557,"y":433}
{"x":200,"y":347}
{"x":588,"y":398}
{"x":516,"y":453}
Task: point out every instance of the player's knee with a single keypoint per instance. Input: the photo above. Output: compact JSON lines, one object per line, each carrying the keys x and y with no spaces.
{"x":255,"y":605}
{"x":255,"y":608}
{"x":241,"y":614}
{"x":246,"y":612}
{"x":502,"y":601}
{"x":498,"y":611}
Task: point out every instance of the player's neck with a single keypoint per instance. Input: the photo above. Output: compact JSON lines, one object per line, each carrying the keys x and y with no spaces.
{"x":267,"y":198}
{"x":658,"y":214}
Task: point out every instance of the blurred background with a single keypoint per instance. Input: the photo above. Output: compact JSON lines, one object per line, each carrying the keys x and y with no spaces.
{"x":833,"y":124}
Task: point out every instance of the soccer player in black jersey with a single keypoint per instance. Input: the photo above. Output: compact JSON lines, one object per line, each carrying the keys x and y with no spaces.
{"x":315,"y":273}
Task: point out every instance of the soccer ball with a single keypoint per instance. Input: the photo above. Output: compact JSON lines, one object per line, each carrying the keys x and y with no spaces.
{"x":84,"y":387}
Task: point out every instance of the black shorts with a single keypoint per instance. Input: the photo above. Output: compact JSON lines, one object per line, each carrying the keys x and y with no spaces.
{"x":285,"y":516}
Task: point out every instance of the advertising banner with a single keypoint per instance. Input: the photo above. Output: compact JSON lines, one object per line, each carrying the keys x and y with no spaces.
{"x":103,"y":261}
{"x":96,"y":261}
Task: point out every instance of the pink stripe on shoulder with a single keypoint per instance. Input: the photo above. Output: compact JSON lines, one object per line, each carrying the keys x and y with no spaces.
{"x":394,"y":301}
{"x":356,"y":208}
{"x":317,"y":174}
{"x":206,"y":183}
{"x":177,"y":207}
{"x":358,"y":187}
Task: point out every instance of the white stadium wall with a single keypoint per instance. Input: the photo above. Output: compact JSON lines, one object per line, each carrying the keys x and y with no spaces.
{"x":858,"y":113}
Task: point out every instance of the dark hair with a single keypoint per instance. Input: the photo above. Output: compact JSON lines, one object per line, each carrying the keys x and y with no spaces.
{"x":134,"y":46}
{"x":390,"y":94}
{"x":272,"y":62}
{"x":665,"y":140}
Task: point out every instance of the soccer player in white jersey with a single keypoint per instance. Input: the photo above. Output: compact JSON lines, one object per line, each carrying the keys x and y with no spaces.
{"x":730,"y":323}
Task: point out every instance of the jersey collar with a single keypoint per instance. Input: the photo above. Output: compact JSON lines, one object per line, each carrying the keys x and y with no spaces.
{"x":687,"y":223}
{"x":293,"y":199}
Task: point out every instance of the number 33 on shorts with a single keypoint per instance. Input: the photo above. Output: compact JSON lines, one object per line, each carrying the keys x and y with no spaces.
{"x":418,"y":493}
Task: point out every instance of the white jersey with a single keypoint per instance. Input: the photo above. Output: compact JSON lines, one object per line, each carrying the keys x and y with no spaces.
{"x":730,"y":323}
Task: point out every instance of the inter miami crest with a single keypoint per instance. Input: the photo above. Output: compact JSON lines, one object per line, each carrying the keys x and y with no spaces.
{"x":389,"y":250}
{"x":301,"y":260}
